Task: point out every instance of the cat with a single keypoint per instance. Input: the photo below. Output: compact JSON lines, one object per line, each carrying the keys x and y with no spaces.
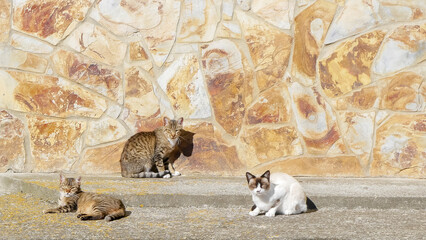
{"x":152,"y":154}
{"x":89,"y":206}
{"x":277,"y":193}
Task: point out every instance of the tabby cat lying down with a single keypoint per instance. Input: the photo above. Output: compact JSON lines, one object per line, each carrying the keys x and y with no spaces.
{"x":89,"y":206}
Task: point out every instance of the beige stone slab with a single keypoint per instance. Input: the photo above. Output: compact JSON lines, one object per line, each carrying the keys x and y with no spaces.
{"x":400,"y":147}
{"x":55,"y":143}
{"x":349,"y":66}
{"x":48,"y":95}
{"x":50,"y":20}
{"x":12,"y":151}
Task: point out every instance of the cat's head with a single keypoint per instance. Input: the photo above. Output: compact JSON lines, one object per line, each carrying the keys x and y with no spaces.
{"x":172,"y":129}
{"x":258,"y":185}
{"x":69,"y":186}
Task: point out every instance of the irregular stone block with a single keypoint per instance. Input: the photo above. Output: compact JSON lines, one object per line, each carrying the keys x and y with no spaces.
{"x":401,"y":11}
{"x":269,"y":144}
{"x":48,"y":96}
{"x":245,"y":5}
{"x":363,"y":99}
{"x":5,"y":10}
{"x":140,"y":101}
{"x":55,"y":144}
{"x":185,"y":87}
{"x":357,"y":16}
{"x":228,"y":82}
{"x":315,"y":119}
{"x":358,"y":131}
{"x":278,"y":13}
{"x":229,"y":29}
{"x":29,"y":44}
{"x":101,"y":160}
{"x":13,"y":58}
{"x":199,"y":20}
{"x":402,"y":92}
{"x":406,"y":46}
{"x":227,"y":9}
{"x":311,"y":27}
{"x":348,"y":67}
{"x":97,"y":43}
{"x":271,"y":106}
{"x":12,"y":152}
{"x":354,"y":17}
{"x":137,"y":52}
{"x":50,"y":20}
{"x":137,"y":14}
{"x":400,"y":148}
{"x":160,"y":39}
{"x":103,"y":131}
{"x":101,"y":79}
{"x":269,"y":49}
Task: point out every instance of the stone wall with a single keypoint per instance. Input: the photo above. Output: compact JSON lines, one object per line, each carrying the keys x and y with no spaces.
{"x":318,"y":88}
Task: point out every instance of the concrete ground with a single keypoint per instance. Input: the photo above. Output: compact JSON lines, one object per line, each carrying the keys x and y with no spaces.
{"x":205,"y":207}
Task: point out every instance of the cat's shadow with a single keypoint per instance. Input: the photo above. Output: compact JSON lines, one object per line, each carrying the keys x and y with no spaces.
{"x":186,"y":145}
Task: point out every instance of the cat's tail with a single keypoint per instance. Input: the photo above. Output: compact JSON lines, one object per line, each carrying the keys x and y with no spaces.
{"x":115,"y":214}
{"x":311,"y":205}
{"x":150,"y":174}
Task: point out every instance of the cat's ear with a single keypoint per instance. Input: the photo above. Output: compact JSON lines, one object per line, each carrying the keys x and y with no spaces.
{"x":166,"y":121}
{"x":249,"y":176}
{"x":79,"y":180}
{"x":180,"y":121}
{"x":61,"y":178}
{"x":266,"y":175}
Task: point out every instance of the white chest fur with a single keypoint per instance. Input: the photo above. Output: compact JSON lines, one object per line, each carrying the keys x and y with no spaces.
{"x":172,"y":141}
{"x":265,"y":201}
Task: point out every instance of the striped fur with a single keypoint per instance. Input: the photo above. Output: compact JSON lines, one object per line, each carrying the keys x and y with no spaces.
{"x":152,"y":154}
{"x":89,"y":206}
{"x":149,"y":174}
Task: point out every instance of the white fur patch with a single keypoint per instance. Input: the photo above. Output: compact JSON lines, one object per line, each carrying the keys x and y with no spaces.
{"x":172,"y":141}
{"x":167,"y":175}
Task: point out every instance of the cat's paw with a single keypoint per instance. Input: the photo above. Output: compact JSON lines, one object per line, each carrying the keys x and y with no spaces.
{"x":270,"y":214}
{"x":288,"y":212}
{"x":177,"y":173}
{"x":80,"y":215}
{"x":167,"y":175}
{"x":253,"y":213}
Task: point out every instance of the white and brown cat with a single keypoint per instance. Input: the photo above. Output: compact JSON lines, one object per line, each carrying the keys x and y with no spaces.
{"x":277,"y":193}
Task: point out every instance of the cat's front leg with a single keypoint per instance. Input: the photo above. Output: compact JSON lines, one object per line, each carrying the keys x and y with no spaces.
{"x":271,"y":212}
{"x":61,"y":209}
{"x":255,"y":211}
{"x":173,"y":171}
{"x":159,"y":163}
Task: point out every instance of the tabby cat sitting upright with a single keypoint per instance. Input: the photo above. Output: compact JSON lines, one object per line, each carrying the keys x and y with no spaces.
{"x":277,"y":193}
{"x":152,"y":154}
{"x":89,"y":206}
